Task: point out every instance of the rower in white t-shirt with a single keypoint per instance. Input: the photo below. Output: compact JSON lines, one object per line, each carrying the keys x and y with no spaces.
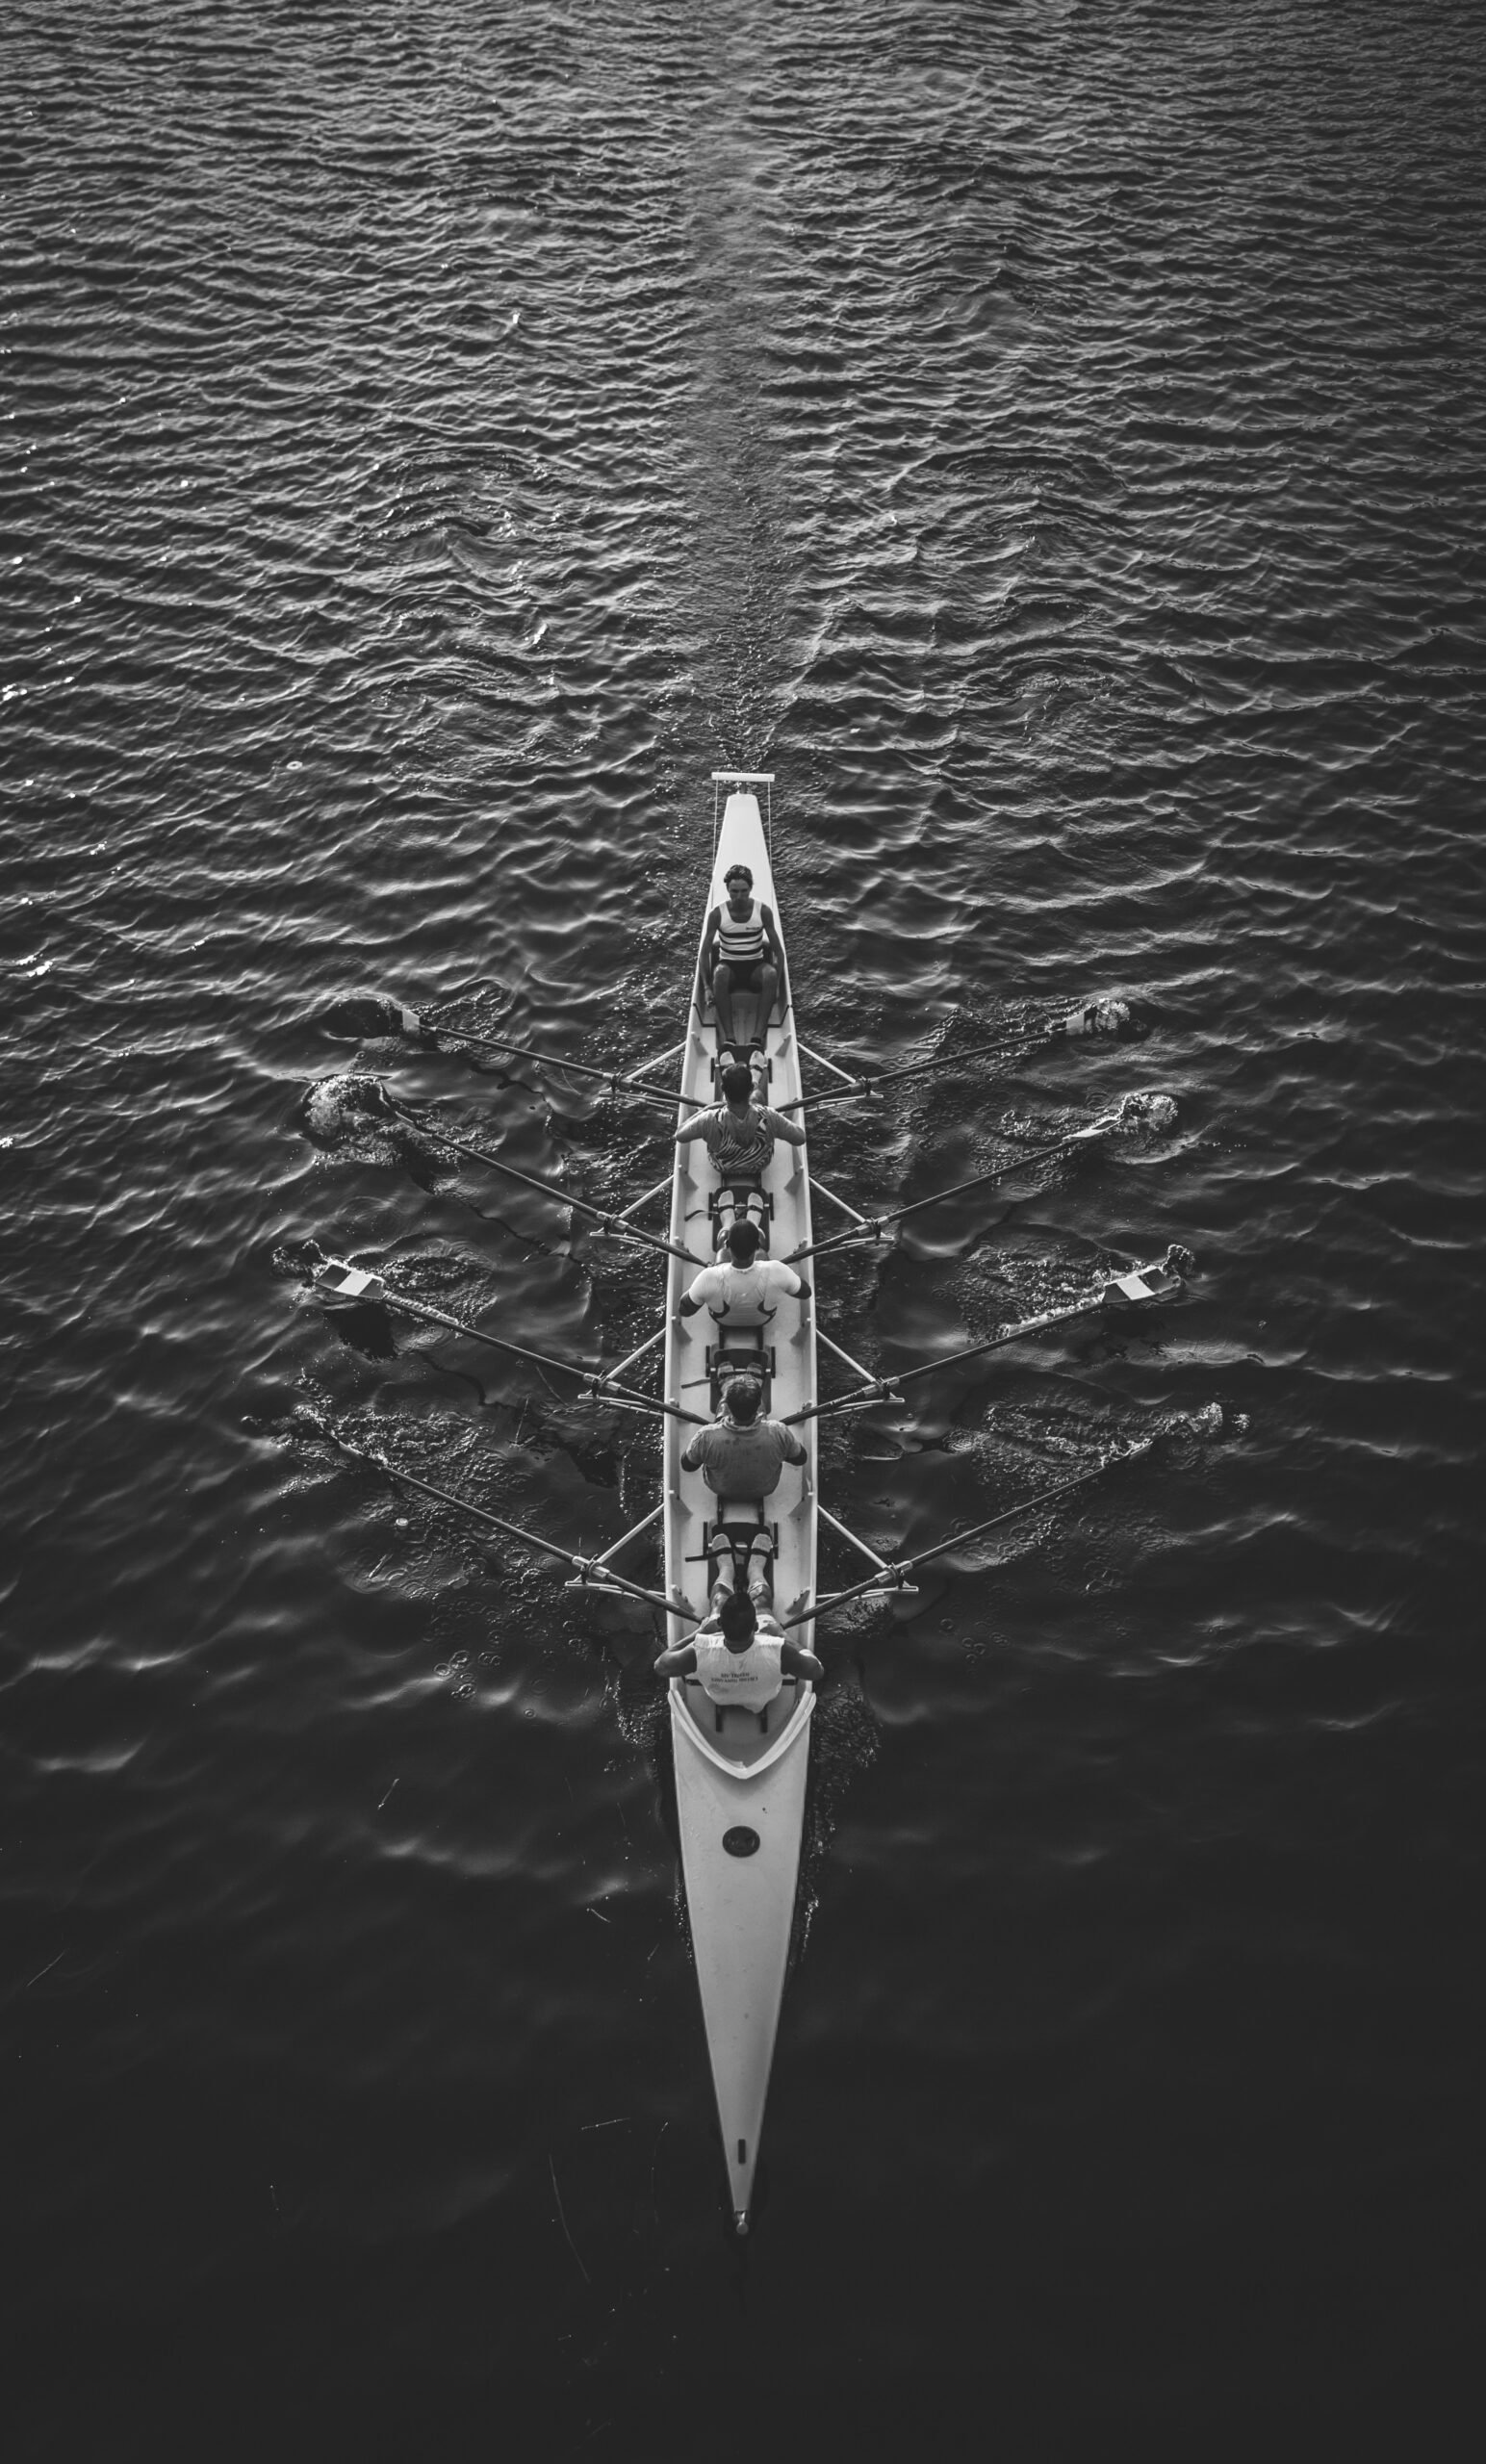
{"x":743,"y":1289}
{"x":741,"y":1655}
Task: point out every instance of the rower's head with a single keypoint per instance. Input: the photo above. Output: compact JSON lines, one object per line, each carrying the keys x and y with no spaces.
{"x":738,"y":881}
{"x":743,"y":1397}
{"x":743,"y":1238}
{"x":738,"y":1082}
{"x":738,"y":1619}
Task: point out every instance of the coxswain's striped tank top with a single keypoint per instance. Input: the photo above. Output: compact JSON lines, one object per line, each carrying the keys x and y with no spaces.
{"x":740,"y":942}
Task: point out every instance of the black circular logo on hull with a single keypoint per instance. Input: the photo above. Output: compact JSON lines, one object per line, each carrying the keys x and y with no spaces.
{"x":740,"y":1841}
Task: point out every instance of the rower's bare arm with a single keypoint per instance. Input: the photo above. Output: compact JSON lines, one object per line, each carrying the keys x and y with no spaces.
{"x":690,"y":1129}
{"x":796,"y":1661}
{"x":766,"y":919}
{"x":677,"y":1662}
{"x":710,"y":946}
{"x":689,"y":1307}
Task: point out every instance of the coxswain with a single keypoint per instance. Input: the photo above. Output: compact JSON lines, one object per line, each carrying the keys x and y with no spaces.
{"x":741,"y":1655}
{"x":741,"y":952}
{"x":743,"y":1289}
{"x":740,"y":1454}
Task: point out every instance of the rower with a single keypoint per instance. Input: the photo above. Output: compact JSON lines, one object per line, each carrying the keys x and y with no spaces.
{"x":743,"y":1289}
{"x":740,"y":1136}
{"x":740,"y":1454}
{"x":742,"y":1655}
{"x":741,"y":952}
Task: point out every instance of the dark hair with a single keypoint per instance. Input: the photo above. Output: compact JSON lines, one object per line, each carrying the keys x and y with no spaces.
{"x":737,"y":872}
{"x":743,"y":1397}
{"x":737,"y":1080}
{"x":737,"y":1616}
{"x":744,"y":1233}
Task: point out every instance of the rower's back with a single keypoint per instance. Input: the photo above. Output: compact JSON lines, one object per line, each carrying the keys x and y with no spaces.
{"x":745,"y":1288}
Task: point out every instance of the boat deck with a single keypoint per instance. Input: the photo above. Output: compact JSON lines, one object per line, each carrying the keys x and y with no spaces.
{"x":740,"y":1779}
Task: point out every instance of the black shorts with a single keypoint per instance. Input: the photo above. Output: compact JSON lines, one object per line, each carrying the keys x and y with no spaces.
{"x":743,"y":974}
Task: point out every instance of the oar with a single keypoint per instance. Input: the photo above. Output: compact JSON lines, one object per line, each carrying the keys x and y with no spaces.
{"x":613,"y":1079}
{"x":1155,"y":1282}
{"x":582,"y":1566}
{"x":872,"y":1229}
{"x":608,"y":1222}
{"x":375,"y":1016}
{"x":1101,"y":1018}
{"x":361,"y":1290}
{"x":898,"y":1569}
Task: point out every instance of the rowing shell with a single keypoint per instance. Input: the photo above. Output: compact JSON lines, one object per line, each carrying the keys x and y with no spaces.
{"x":740,"y":1777}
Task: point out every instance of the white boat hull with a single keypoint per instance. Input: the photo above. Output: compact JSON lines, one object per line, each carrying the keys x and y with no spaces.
{"x":742,"y":1910}
{"x":740,"y":1786}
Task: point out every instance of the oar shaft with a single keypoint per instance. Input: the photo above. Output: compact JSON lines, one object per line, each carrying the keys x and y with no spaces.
{"x":979,"y":1180}
{"x":601,"y":1386}
{"x":447,"y":1497}
{"x":656,"y":1190}
{"x":898,"y":1569}
{"x":1024,"y":1327}
{"x":550,"y":1189}
{"x":870,"y":1081}
{"x":872,"y":1391}
{"x":598,"y":1381}
{"x":835,"y":1199}
{"x":628,"y":1362}
{"x":641,"y":1076}
{"x":824,"y":1061}
{"x":876,"y":1389}
{"x":1107,"y":1295}
{"x":508,"y":1531}
{"x":872,"y":1229}
{"x":426,"y":1311}
{"x":999,"y":1051}
{"x":1011,"y":1513}
{"x":1081,"y":1021}
{"x":847,"y":1533}
{"x":609,"y":1078}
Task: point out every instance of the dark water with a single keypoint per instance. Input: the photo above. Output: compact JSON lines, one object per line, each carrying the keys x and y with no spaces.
{"x":1051,"y":438}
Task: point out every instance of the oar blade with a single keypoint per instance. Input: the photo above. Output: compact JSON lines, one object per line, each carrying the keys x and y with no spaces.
{"x":367,"y":1016}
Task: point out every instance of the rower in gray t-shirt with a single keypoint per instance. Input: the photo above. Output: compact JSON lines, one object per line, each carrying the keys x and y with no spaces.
{"x":740,"y":1454}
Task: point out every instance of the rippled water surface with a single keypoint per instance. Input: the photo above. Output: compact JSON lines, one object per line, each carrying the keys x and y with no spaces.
{"x":1050,"y":438}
